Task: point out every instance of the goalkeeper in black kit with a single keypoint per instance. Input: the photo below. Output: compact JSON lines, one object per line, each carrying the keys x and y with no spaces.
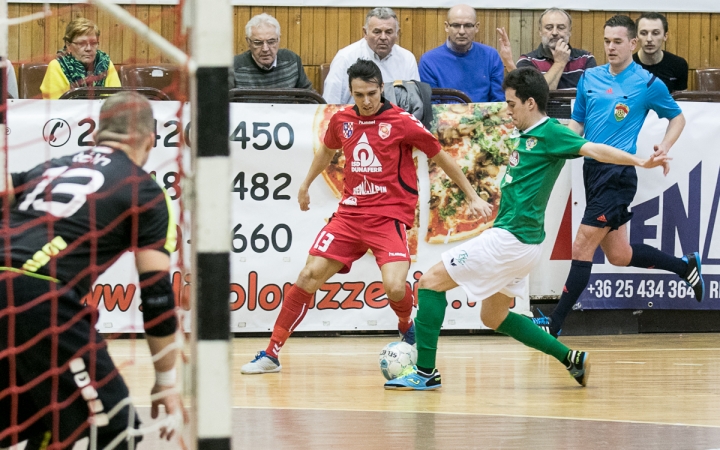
{"x":70,"y":219}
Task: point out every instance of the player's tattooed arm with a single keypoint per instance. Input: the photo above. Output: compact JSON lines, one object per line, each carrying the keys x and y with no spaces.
{"x":320,"y":161}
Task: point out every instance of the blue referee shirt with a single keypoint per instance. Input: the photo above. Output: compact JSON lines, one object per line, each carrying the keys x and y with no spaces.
{"x":613,"y":108}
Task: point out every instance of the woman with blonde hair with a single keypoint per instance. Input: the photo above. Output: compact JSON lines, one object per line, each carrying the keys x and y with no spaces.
{"x":80,"y":63}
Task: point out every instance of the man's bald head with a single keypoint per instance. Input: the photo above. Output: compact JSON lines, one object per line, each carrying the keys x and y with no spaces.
{"x":461,"y":10}
{"x":461,"y":26}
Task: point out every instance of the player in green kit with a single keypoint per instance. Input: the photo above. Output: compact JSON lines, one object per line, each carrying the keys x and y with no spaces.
{"x":492,"y":267}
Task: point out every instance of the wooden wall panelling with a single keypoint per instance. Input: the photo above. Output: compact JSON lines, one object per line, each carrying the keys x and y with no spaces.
{"x":25,"y":35}
{"x":684,"y":36}
{"x":344,"y":34}
{"x":694,"y":57}
{"x":142,"y":47}
{"x":597,"y":39}
{"x":332,"y":31}
{"x":487,"y":34}
{"x":357,"y":21}
{"x":705,"y":40}
{"x":526,"y":31}
{"x":50,"y":32}
{"x":155,"y":24}
{"x":313,"y":73}
{"x":431,"y":36}
{"x":318,"y":37}
{"x":129,"y":41}
{"x":674,"y":34}
{"x":503,"y":20}
{"x":715,"y":40}
{"x":306,"y":42}
{"x":514,"y":31}
{"x":171,"y":28}
{"x":241,"y":19}
{"x":418,"y":45}
{"x":534,"y":30}
{"x":576,"y":30}
{"x":317,"y":33}
{"x":406,"y":28}
{"x":37,"y":28}
{"x":13,"y":40}
{"x":587,"y":37}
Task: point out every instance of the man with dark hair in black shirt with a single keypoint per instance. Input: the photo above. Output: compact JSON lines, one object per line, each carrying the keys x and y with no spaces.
{"x":70,"y":219}
{"x":652,"y":30}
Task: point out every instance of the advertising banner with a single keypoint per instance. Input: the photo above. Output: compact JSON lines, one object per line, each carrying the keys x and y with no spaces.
{"x":677,"y":214}
{"x":272,"y":147}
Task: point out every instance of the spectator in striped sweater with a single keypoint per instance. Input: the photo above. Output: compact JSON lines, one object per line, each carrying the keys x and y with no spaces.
{"x":561,"y":64}
{"x":266,"y":65}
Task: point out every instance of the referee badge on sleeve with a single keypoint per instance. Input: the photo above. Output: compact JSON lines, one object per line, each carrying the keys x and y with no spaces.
{"x":621,"y":111}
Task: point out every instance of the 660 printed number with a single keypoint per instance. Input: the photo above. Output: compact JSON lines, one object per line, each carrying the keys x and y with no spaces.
{"x":280,"y":239}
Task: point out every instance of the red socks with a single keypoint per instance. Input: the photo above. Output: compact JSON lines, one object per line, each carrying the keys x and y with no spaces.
{"x":292,"y":312}
{"x":403,"y":309}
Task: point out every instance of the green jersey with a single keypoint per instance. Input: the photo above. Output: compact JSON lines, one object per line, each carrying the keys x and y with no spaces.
{"x":532,"y":169}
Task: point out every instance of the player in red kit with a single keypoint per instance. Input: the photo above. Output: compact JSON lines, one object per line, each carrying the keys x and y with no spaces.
{"x":377,"y":206}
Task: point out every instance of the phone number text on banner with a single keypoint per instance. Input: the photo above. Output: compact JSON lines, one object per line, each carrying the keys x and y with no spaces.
{"x":677,"y":214}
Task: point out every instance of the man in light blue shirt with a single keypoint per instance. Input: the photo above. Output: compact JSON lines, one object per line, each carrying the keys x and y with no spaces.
{"x":612,"y":103}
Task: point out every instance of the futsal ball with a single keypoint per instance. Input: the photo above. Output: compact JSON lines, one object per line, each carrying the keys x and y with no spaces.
{"x":395,"y":357}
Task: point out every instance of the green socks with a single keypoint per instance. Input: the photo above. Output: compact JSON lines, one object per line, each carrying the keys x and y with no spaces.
{"x":524,"y":330}
{"x":430,"y":316}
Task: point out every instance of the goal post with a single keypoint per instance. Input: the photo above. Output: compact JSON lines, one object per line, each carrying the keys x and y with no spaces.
{"x":211,"y":46}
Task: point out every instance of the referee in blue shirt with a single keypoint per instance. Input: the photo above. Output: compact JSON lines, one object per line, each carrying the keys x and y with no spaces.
{"x":611,"y":105}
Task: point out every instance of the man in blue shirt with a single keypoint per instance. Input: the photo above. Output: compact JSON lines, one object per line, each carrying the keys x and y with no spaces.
{"x":462,"y":64}
{"x":611,"y":105}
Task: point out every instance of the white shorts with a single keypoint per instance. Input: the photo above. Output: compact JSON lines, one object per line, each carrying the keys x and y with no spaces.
{"x":496,"y":261}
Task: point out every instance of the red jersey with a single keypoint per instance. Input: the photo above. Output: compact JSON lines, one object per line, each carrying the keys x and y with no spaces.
{"x":380,"y":176}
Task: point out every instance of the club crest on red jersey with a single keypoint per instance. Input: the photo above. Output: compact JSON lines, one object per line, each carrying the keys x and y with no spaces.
{"x":621,"y":111}
{"x":347,"y":129}
{"x":384,"y":130}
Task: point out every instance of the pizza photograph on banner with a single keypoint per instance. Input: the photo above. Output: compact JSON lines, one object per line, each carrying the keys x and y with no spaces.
{"x":478,"y":137}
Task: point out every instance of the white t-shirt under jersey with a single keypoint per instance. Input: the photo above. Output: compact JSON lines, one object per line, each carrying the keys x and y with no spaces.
{"x":400,"y":64}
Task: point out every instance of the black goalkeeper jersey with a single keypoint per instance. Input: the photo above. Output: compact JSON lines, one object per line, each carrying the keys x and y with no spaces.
{"x":74,"y":216}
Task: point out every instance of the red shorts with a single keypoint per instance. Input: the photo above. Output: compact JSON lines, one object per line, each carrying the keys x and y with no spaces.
{"x":347,"y":237}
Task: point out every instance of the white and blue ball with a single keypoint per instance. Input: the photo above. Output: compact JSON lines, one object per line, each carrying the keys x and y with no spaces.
{"x":395,"y":357}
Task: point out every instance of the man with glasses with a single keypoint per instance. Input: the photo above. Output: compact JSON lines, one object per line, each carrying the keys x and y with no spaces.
{"x":380,"y":33}
{"x":462,"y":64}
{"x":561,"y":64}
{"x":266,"y":65}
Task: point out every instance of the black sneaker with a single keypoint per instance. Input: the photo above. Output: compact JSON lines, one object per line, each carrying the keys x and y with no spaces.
{"x":579,"y":366}
{"x":693,"y":276}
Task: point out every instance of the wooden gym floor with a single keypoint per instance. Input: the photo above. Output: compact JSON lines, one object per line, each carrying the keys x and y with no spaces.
{"x":652,"y":391}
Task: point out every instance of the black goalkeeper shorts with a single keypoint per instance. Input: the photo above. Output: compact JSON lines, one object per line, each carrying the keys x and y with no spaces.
{"x":62,"y":375}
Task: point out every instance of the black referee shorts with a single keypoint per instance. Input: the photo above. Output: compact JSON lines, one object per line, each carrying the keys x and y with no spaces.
{"x":62,"y":375}
{"x":609,"y":191}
